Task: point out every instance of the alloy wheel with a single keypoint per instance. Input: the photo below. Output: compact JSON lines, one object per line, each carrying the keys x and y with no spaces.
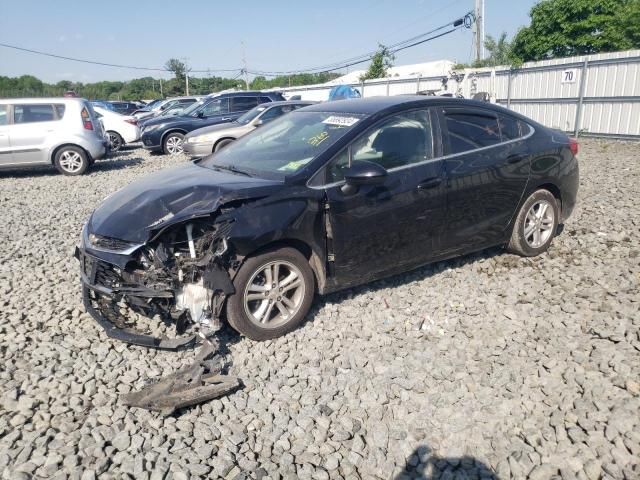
{"x":538,"y":224}
{"x":70,"y":161}
{"x":274,"y":294}
{"x":174,"y":145}
{"x":115,"y":141}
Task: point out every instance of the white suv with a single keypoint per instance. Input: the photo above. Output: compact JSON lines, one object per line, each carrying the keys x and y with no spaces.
{"x":64,"y":132}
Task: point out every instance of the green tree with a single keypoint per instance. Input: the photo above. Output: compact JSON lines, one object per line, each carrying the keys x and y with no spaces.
{"x":499,"y":52}
{"x":381,"y":62}
{"x":562,"y":28}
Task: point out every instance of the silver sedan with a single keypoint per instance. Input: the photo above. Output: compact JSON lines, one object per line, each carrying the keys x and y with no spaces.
{"x":205,"y":141}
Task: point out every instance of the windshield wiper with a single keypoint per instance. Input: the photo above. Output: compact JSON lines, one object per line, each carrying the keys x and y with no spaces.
{"x":231,"y":168}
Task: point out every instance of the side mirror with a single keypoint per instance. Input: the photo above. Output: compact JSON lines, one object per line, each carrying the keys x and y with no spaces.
{"x":363,"y":172}
{"x":201,"y":114}
{"x":258,"y":122}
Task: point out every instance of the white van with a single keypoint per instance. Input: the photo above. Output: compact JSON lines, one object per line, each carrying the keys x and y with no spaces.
{"x":64,"y":132}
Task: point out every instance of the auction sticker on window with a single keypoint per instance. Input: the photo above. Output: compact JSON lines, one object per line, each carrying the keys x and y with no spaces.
{"x":340,"y":121}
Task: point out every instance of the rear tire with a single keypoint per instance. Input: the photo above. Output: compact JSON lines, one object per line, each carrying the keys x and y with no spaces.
{"x":172,"y":144}
{"x":71,"y":160}
{"x":273,"y":293}
{"x":222,"y":143}
{"x":116,"y":141}
{"x":536,"y":224}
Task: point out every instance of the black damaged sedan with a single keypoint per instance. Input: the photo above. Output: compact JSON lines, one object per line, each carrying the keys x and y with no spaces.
{"x":327,"y":197}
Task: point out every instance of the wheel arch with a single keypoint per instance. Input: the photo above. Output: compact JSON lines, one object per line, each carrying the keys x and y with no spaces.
{"x":551,"y":187}
{"x":233,"y":139}
{"x":173,"y":130}
{"x":55,"y":150}
{"x":314,"y":259}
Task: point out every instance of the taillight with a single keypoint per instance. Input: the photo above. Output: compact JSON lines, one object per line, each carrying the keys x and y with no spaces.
{"x":573,"y":145}
{"x":86,"y":119}
{"x":132,"y":121}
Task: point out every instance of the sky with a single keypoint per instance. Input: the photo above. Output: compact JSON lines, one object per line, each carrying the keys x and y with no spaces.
{"x":277,"y":35}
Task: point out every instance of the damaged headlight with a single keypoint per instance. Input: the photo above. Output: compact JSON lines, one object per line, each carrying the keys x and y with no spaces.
{"x":111,"y":244}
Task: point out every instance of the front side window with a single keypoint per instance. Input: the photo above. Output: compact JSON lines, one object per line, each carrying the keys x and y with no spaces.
{"x":241,"y":104}
{"x":3,"y":115}
{"x":470,"y":130}
{"x":284,"y":146}
{"x":401,"y":140}
{"x":216,"y":107}
{"x":33,"y":113}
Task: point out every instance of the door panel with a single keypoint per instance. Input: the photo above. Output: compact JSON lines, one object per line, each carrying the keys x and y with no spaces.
{"x":32,"y":125}
{"x":6,"y":156}
{"x":485,"y":179}
{"x":395,"y":226}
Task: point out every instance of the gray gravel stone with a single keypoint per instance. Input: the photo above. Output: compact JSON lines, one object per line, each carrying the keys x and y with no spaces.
{"x":481,"y":365}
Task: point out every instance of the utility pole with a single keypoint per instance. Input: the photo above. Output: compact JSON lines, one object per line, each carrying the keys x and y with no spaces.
{"x":161,"y":94}
{"x":478,"y":30}
{"x":244,"y":67}
{"x":186,"y":74}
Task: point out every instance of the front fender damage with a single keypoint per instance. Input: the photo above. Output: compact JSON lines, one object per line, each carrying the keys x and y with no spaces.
{"x":180,"y":280}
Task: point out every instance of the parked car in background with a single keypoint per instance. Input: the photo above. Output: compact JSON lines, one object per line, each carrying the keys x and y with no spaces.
{"x":168,"y":103}
{"x":102,"y":104}
{"x":204,"y":141}
{"x":327,"y":197}
{"x":64,"y":132}
{"x":120,"y":129}
{"x":167,"y":134}
{"x":125,"y":108}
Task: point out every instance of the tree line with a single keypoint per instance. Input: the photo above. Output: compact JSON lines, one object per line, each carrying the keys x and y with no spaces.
{"x":147,"y":88}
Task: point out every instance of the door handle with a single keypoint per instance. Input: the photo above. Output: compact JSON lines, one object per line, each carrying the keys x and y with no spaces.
{"x":430,"y":183}
{"x":515,"y":158}
{"x":224,"y":119}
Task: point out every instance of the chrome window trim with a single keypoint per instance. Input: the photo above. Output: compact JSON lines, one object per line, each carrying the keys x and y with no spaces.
{"x":430,"y":160}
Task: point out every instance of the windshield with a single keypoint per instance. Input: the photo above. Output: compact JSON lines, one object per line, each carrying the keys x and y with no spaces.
{"x":251,"y":114}
{"x":192,"y":108}
{"x":285,"y":145}
{"x":151,"y":104}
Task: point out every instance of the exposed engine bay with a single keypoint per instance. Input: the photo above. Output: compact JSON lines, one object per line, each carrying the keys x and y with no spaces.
{"x":180,"y":280}
{"x":182,"y":277}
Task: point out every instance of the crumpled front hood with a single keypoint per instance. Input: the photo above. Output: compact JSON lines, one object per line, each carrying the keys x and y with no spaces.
{"x":171,"y":196}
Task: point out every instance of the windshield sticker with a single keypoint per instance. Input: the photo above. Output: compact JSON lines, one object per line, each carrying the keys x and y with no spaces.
{"x":318,"y":139}
{"x":341,"y":121}
{"x":295,"y":165}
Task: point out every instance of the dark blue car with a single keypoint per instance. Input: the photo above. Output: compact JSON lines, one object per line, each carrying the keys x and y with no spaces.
{"x":166,"y":134}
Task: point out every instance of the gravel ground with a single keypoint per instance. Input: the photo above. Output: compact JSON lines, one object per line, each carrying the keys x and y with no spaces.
{"x":486,"y":366}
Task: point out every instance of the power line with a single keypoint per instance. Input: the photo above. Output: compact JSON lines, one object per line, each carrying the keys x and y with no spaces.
{"x":105,"y":64}
{"x":459,"y":23}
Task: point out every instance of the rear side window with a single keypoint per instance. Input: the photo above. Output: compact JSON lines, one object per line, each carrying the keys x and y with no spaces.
{"x":469,"y":130}
{"x":241,"y":104}
{"x":509,"y":128}
{"x":59,"y":110}
{"x":264,"y":99}
{"x":33,"y":113}
{"x":3,"y":115}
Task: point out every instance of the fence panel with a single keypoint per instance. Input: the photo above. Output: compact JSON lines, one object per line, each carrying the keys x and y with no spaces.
{"x":596,"y":95}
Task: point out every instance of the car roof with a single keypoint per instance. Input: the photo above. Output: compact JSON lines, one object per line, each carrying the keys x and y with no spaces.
{"x":288,"y":102}
{"x":42,"y":100}
{"x":372,"y":105}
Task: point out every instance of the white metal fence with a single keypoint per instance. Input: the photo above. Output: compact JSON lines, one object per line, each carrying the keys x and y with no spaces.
{"x":595,"y":95}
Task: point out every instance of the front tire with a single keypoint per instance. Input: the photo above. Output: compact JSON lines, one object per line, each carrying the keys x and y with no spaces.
{"x":535,"y":225}
{"x":72,"y":161}
{"x":115,"y":140}
{"x":172,"y":144}
{"x":273,"y":293}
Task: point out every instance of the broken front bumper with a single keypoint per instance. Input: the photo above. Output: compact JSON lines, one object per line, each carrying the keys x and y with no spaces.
{"x":101,"y":279}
